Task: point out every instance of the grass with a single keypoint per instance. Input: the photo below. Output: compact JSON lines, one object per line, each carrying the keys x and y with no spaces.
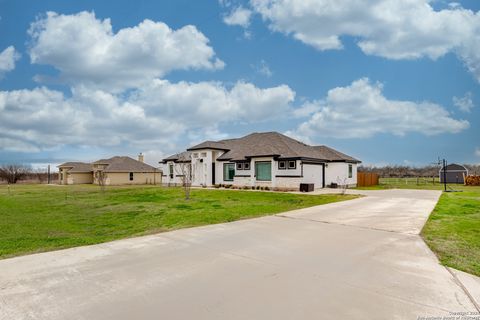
{"x":36,"y":218}
{"x":453,"y":229}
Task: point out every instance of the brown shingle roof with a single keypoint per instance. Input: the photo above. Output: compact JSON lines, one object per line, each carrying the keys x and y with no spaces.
{"x":271,"y":144}
{"x":77,"y":167}
{"x":182,"y":157}
{"x":220,"y":145}
{"x":334,"y":155}
{"x":125,"y":164}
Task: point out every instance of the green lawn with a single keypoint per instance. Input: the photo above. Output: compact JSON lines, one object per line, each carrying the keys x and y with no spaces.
{"x":453,"y":229}
{"x":36,"y":218}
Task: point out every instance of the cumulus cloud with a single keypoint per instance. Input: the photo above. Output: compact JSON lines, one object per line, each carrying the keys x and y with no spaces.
{"x":239,"y":16}
{"x":464,"y":103}
{"x":86,"y":50}
{"x":209,"y":103}
{"x":477,"y":152}
{"x":8,"y":57}
{"x":394,"y":29}
{"x":156,"y":114}
{"x":360,"y":110}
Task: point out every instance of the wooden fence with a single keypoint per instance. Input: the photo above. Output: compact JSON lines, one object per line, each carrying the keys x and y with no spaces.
{"x":366,"y":179}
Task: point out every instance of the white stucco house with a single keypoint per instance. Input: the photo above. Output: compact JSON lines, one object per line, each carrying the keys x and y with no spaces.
{"x":261,"y":159}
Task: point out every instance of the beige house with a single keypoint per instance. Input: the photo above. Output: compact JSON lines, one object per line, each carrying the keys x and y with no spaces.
{"x":112,"y":171}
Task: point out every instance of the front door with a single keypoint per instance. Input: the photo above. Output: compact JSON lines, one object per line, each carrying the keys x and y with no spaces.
{"x":213,"y":173}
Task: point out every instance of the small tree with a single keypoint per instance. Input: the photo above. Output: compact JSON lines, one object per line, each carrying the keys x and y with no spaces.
{"x":343,"y":185}
{"x":101,"y":178}
{"x":183,"y":170}
{"x":13,"y":172}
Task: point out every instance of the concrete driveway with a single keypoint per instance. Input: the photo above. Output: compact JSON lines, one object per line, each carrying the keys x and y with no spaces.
{"x":361,"y":259}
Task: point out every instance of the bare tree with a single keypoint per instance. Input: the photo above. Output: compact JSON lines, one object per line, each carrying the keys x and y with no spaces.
{"x":342,"y":183}
{"x":183,"y":170}
{"x":13,"y":172}
{"x":101,"y":179}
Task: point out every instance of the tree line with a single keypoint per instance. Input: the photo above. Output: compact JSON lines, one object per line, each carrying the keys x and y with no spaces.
{"x":13,"y":173}
{"x":397,"y":171}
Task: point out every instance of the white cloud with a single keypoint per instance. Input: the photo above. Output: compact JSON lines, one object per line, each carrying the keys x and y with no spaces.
{"x":464,"y":103}
{"x":477,"y":152}
{"x":208,"y":103}
{"x":239,"y":16}
{"x":85,"y":50}
{"x":394,"y":29}
{"x":7,"y":60}
{"x":263,"y":69}
{"x":360,"y":110}
{"x":156,"y":115}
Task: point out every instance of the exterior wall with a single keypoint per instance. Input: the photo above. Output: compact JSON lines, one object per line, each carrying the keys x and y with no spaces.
{"x":337,"y":172}
{"x":202,"y":167}
{"x":80,"y":178}
{"x":167,"y":179}
{"x":123,"y":178}
{"x":290,"y":183}
{"x":454,"y":176}
{"x":64,"y":177}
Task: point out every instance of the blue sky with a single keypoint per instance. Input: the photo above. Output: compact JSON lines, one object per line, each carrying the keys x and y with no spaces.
{"x":389,"y":82}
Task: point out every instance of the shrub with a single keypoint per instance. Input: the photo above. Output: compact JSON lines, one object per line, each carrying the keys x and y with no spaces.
{"x":253,"y":187}
{"x":267,"y":188}
{"x":217,"y":186}
{"x":472,"y":180}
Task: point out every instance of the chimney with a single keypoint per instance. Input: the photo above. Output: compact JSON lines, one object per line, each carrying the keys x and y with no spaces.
{"x":140,"y":157}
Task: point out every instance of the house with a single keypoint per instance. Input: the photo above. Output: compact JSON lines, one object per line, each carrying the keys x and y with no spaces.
{"x":113,"y":171}
{"x":262,"y":159}
{"x":454,"y":173}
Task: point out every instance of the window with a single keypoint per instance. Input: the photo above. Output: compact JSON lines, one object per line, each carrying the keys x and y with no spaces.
{"x":203,"y":155}
{"x":282,"y":165}
{"x":195,"y":155}
{"x":292,"y":164}
{"x":228,"y":171}
{"x":131,"y":176}
{"x":170,"y":170}
{"x":246,"y":166}
{"x":239,"y":166}
{"x":350,"y":171}
{"x":263,"y":171}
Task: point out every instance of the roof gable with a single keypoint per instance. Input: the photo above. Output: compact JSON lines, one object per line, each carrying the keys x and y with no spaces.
{"x":125,"y":164}
{"x":76,"y":167}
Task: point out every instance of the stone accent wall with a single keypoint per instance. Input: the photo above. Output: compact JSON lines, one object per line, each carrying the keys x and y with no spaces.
{"x":293,"y":183}
{"x":242,"y":181}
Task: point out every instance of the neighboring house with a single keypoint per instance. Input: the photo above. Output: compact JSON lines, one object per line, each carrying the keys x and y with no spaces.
{"x":75,"y":173}
{"x":114,"y":171}
{"x":454,"y":173}
{"x":262,"y":159}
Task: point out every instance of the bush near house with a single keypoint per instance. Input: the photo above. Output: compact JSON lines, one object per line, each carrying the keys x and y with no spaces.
{"x":472,"y":180}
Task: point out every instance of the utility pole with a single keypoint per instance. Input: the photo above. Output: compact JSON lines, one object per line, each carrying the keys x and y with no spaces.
{"x":48,"y":175}
{"x":445,"y":174}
